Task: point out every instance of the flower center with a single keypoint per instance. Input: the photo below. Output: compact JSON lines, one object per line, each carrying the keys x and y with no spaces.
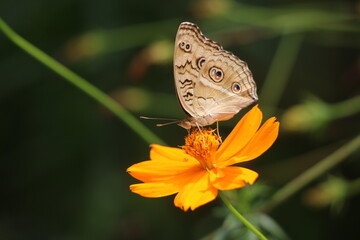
{"x":202,"y":145}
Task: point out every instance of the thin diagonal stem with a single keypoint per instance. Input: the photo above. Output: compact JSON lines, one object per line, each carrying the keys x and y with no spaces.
{"x":280,"y":70}
{"x":314,"y":172}
{"x":346,"y":108}
{"x":240,"y":217}
{"x":82,"y":84}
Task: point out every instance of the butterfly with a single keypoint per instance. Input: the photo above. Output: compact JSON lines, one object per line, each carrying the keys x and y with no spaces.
{"x":211,"y":83}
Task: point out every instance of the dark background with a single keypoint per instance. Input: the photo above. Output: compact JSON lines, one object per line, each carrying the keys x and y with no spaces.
{"x":64,"y":157}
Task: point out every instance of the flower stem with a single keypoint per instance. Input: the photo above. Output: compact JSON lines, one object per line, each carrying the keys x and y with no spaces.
{"x":240,"y":217}
{"x":82,"y":84}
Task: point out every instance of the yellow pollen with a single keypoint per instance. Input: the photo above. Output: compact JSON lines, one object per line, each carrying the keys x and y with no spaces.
{"x":202,"y":145}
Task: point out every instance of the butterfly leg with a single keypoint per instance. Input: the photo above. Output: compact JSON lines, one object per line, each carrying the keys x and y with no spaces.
{"x":218,"y":131}
{"x":202,"y":134}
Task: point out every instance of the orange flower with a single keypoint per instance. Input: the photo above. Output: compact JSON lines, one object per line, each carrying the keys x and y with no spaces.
{"x":203,"y":165}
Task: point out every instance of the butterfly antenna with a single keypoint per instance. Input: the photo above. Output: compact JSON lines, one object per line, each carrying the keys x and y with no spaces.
{"x":173,"y":121}
{"x":168,"y":123}
{"x":165,"y":119}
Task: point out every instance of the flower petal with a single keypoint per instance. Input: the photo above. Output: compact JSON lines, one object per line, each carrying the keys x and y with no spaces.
{"x":154,"y":190}
{"x":234,"y":177}
{"x":240,"y":135}
{"x":170,"y":185}
{"x":163,"y":153}
{"x":232,"y":161}
{"x":153,"y":171}
{"x":262,"y":140}
{"x":196,"y":193}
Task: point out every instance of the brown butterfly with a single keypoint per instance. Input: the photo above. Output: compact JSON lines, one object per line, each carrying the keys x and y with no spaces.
{"x":212,"y":84}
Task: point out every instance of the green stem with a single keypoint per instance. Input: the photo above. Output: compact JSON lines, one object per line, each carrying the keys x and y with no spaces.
{"x":314,"y":172}
{"x":82,"y":84}
{"x":346,"y":108}
{"x":240,"y":217}
{"x":280,"y":70}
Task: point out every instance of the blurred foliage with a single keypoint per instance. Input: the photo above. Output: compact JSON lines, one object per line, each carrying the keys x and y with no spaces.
{"x":64,"y":157}
{"x":248,"y":200}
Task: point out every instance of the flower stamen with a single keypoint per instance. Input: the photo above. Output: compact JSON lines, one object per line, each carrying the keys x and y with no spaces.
{"x":202,"y":145}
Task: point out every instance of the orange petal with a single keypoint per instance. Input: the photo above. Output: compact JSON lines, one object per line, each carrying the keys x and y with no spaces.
{"x":196,"y":193}
{"x":153,"y":190}
{"x":234,"y":177}
{"x":171,"y":184}
{"x":262,"y":140}
{"x":232,"y":161}
{"x":154,"y":171}
{"x":162,"y":153}
{"x":240,"y":135}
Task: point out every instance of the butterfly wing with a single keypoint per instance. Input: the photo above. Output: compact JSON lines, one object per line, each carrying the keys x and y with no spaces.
{"x":190,"y":51}
{"x":225,"y":87}
{"x":211,"y":84}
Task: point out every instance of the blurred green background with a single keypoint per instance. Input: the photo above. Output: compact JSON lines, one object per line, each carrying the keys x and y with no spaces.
{"x":64,"y":157}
